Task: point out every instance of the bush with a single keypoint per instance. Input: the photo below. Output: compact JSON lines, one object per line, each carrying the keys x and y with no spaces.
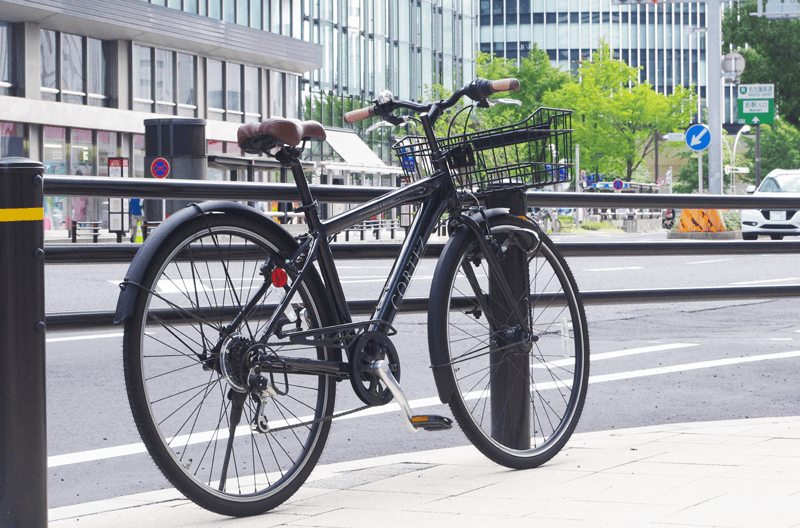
{"x":732,"y":219}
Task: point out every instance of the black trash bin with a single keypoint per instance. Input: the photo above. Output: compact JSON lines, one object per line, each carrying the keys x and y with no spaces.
{"x":173,"y":148}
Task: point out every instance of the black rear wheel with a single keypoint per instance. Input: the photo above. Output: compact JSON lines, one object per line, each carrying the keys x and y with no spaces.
{"x":516,"y":396}
{"x":188,"y":386}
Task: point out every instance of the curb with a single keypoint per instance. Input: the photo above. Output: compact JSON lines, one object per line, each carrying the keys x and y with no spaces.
{"x":706,"y":235}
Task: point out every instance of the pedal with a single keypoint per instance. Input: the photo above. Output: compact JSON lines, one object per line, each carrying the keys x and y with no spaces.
{"x":429,"y":422}
{"x":432,"y":422}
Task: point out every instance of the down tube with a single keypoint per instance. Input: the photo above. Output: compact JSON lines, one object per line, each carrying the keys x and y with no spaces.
{"x":414,"y":246}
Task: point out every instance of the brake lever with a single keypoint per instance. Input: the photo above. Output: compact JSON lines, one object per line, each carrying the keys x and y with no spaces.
{"x":489,"y":103}
{"x":381,"y":124}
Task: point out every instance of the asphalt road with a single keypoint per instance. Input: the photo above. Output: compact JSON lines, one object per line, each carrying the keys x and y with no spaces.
{"x":672,"y":363}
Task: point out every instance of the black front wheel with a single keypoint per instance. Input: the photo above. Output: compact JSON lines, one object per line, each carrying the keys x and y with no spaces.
{"x":187,"y":370}
{"x":517,"y":394}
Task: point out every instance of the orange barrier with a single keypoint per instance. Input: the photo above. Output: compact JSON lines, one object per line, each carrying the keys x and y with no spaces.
{"x":700,"y":220}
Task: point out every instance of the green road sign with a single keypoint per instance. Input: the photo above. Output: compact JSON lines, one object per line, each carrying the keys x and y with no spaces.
{"x":756,"y":103}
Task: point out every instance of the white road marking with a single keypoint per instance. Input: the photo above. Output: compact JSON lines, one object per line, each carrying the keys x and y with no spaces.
{"x":765,"y":281}
{"x":615,"y":269}
{"x":780,"y":339}
{"x":709,"y":261}
{"x":138,"y":448}
{"x":82,"y":337}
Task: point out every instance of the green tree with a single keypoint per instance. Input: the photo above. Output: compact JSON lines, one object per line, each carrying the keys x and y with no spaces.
{"x":537,"y":76}
{"x":616,"y":116}
{"x":780,"y":148}
{"x":771,"y":49}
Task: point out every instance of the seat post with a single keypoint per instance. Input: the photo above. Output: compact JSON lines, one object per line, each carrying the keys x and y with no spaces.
{"x":289,"y":157}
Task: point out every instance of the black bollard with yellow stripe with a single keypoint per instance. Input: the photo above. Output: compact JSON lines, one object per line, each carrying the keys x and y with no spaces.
{"x":23,"y":431}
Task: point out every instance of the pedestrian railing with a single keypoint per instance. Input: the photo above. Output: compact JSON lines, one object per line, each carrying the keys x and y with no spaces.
{"x":23,"y":469}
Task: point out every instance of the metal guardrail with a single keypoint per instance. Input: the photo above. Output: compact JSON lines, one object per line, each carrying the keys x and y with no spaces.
{"x":200,"y":190}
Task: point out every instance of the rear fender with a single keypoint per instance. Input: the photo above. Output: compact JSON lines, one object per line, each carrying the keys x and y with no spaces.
{"x":160,"y":236}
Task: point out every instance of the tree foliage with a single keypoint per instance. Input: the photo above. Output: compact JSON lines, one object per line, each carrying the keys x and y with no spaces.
{"x":615,"y":115}
{"x":780,"y":148}
{"x":771,"y":49}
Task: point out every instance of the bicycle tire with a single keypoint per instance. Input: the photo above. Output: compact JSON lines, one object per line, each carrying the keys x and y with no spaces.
{"x":182,"y":409}
{"x":528,"y":423}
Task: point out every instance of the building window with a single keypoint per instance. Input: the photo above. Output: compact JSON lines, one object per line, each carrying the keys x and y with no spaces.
{"x":6,"y":60}
{"x":73,"y":69}
{"x":234,"y":92}
{"x":12,"y":139}
{"x":165,"y":82}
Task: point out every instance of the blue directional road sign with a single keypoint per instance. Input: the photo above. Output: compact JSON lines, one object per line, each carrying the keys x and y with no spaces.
{"x":698,"y":137}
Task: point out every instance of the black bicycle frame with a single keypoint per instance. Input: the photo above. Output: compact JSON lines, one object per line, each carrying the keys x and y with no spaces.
{"x":433,"y":192}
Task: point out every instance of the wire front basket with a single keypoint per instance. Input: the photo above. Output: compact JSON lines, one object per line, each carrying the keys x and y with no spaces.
{"x":532,"y":153}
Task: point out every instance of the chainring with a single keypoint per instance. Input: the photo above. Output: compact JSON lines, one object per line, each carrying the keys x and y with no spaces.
{"x":371,"y":347}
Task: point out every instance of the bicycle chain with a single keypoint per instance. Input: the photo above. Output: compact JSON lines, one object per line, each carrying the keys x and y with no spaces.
{"x":318,"y":420}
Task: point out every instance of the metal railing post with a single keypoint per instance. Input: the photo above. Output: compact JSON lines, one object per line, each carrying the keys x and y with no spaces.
{"x":23,"y":431}
{"x":510,"y":384}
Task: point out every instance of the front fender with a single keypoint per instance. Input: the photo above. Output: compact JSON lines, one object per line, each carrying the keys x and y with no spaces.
{"x":439,"y":360}
{"x":160,"y":236}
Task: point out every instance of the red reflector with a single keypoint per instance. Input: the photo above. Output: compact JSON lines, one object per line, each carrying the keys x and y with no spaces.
{"x":279,"y":278}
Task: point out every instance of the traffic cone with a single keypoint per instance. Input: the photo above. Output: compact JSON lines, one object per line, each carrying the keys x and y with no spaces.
{"x":139,"y":238}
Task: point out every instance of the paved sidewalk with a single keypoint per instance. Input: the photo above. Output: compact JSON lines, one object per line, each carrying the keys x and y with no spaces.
{"x":739,"y":473}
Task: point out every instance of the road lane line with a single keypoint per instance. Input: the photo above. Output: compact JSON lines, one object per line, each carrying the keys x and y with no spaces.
{"x":82,"y":337}
{"x":615,"y":269}
{"x":764,"y":281}
{"x":708,"y":261}
{"x":138,"y":448}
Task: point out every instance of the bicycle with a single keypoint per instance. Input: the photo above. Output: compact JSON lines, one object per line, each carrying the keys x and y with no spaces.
{"x":234,"y":341}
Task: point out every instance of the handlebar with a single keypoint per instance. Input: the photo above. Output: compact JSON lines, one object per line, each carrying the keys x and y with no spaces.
{"x":477,"y":90}
{"x":354,"y":116}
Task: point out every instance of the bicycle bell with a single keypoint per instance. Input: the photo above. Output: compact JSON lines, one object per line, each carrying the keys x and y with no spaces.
{"x":385,"y":97}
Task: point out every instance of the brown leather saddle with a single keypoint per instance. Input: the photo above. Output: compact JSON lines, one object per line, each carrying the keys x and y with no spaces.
{"x":255,"y":138}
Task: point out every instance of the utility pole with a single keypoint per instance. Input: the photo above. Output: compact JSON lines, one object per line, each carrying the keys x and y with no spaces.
{"x":714,"y":94}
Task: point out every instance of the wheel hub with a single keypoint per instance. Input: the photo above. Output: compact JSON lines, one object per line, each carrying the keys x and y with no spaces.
{"x":232,"y":364}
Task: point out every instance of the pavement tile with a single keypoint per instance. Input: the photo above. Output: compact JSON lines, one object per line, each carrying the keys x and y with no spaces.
{"x":499,"y":508}
{"x":755,"y":488}
{"x":363,"y":500}
{"x":350,"y":518}
{"x":638,"y":489}
{"x":439,"y":480}
{"x":604,"y":513}
{"x":777,"y":430}
{"x":785,"y":447}
{"x":535,"y":484}
{"x":740,"y":510}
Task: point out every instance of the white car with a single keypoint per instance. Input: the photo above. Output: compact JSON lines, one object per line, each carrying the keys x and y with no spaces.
{"x":778,"y":223}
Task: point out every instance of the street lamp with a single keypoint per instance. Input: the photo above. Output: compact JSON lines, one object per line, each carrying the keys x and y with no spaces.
{"x":745,"y":128}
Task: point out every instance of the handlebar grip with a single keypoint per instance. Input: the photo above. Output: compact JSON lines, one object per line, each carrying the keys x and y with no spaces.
{"x":359,"y":115}
{"x":505,"y":85}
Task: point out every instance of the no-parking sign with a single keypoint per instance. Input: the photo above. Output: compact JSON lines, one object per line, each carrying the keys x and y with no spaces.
{"x":159,"y":168}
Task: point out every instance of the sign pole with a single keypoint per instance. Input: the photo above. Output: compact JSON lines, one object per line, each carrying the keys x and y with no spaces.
{"x":758,"y":155}
{"x":714,"y":54}
{"x":700,"y":171}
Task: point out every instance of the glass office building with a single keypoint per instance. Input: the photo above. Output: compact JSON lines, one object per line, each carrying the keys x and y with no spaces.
{"x":662,"y":39}
{"x":405,"y":46}
{"x":78,"y":79}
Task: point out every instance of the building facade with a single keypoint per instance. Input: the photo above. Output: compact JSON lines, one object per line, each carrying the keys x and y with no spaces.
{"x":666,"y":40}
{"x":405,"y":46}
{"x":78,"y":78}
